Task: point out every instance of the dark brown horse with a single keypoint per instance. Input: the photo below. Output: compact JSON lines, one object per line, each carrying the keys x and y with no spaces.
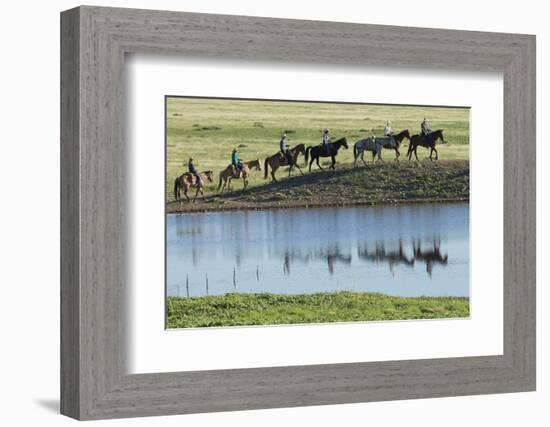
{"x":279,"y":159}
{"x":426,"y":141}
{"x":320,"y":151}
{"x":398,"y":138}
{"x":188,"y":180}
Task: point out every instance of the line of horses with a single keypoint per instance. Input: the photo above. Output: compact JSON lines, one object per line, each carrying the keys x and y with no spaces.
{"x":311,"y":154}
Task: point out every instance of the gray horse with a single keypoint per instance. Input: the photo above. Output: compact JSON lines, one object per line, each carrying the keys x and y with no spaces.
{"x":374,"y":145}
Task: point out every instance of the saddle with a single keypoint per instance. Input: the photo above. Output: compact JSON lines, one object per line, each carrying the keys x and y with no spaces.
{"x":236,"y":171}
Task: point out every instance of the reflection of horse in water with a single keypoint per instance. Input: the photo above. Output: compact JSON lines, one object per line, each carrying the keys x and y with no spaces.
{"x":331,"y":255}
{"x":380,"y":254}
{"x":431,"y":256}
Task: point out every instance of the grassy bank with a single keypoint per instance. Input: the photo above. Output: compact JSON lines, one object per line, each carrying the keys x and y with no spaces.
{"x":237,"y":309}
{"x":389,"y":183}
{"x":208,"y":129}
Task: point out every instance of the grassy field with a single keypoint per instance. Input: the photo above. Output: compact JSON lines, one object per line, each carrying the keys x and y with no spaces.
{"x":237,"y":309}
{"x":208,"y":129}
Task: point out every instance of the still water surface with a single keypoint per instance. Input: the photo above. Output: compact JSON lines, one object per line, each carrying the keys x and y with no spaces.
{"x":405,"y":250}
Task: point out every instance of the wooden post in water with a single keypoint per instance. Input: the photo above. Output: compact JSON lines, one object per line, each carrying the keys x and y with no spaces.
{"x":187,"y":284}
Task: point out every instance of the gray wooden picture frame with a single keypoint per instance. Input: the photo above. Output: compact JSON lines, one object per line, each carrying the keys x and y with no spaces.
{"x":94,"y":381}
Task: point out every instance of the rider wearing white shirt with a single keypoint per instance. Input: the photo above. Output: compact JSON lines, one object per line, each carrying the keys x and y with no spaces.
{"x":387,"y":129}
{"x":326,"y":141}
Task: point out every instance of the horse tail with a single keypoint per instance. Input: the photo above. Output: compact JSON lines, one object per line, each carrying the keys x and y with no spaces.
{"x":411,"y":142}
{"x":220,"y":184}
{"x":266,"y":164}
{"x":176,"y":188}
{"x":307,"y":153}
{"x":355,"y":150}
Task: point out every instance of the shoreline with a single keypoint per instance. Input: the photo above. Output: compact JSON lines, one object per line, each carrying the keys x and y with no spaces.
{"x":380,"y":185}
{"x":203,"y":208}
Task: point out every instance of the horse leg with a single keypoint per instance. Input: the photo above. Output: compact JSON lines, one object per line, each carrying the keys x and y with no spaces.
{"x":363,"y":158}
{"x":310,"y":163}
{"x":273,"y":169}
{"x":436,"y":154}
{"x":317,"y":161}
{"x":415,"y":153}
{"x":397,"y":154}
{"x":185,"y":194}
{"x":431,"y":151}
{"x":299,"y":168}
{"x":333,"y":162}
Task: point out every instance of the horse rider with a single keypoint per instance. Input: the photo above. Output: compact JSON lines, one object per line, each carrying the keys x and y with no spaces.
{"x":326,"y":142}
{"x":193,"y":171}
{"x":236,"y":162}
{"x":387,"y":129}
{"x":285,"y":149}
{"x":424,"y":128}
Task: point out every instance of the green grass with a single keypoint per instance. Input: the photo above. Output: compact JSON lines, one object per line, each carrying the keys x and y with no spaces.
{"x":208,"y":129}
{"x":238,"y":309}
{"x":347,"y":186}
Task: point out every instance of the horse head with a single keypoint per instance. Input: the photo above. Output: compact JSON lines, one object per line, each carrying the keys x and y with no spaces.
{"x":342,"y":142}
{"x":209,"y":176}
{"x":300,"y":149}
{"x":438,"y":134}
{"x":258,"y":164}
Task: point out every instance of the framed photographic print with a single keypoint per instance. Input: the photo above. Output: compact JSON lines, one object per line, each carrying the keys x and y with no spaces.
{"x":262,"y":213}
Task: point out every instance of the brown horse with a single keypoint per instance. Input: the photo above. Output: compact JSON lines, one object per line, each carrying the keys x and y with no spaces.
{"x":230,"y":172}
{"x":398,"y":138}
{"x":279,"y":159}
{"x":188,"y":180}
{"x":426,"y":142}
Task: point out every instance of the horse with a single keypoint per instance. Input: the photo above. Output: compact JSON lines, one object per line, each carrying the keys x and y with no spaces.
{"x":187,"y":180}
{"x":230,"y":172}
{"x":398,"y":138}
{"x":320,"y":151}
{"x":278,"y":160}
{"x":371,"y":144}
{"x":426,"y":142}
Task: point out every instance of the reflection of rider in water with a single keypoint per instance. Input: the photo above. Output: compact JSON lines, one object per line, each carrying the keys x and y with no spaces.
{"x":285,"y":149}
{"x":193,"y":171}
{"x":326,"y":142}
{"x":236,"y":162}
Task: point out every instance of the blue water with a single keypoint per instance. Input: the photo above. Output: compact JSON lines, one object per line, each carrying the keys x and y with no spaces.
{"x":405,"y":250}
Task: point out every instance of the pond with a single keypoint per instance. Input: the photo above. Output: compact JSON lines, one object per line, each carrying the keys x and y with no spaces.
{"x":408,"y":250}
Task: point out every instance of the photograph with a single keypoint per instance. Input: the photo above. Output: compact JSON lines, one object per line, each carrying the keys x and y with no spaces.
{"x":296,"y":212}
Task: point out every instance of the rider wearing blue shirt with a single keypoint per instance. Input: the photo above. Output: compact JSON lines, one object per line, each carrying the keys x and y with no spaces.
{"x":193,"y":171}
{"x":236,"y":162}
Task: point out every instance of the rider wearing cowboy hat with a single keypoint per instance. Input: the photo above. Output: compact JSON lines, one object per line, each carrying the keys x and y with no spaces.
{"x":236,"y":162}
{"x":326,"y":141}
{"x":285,"y":149}
{"x":387,"y":129}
